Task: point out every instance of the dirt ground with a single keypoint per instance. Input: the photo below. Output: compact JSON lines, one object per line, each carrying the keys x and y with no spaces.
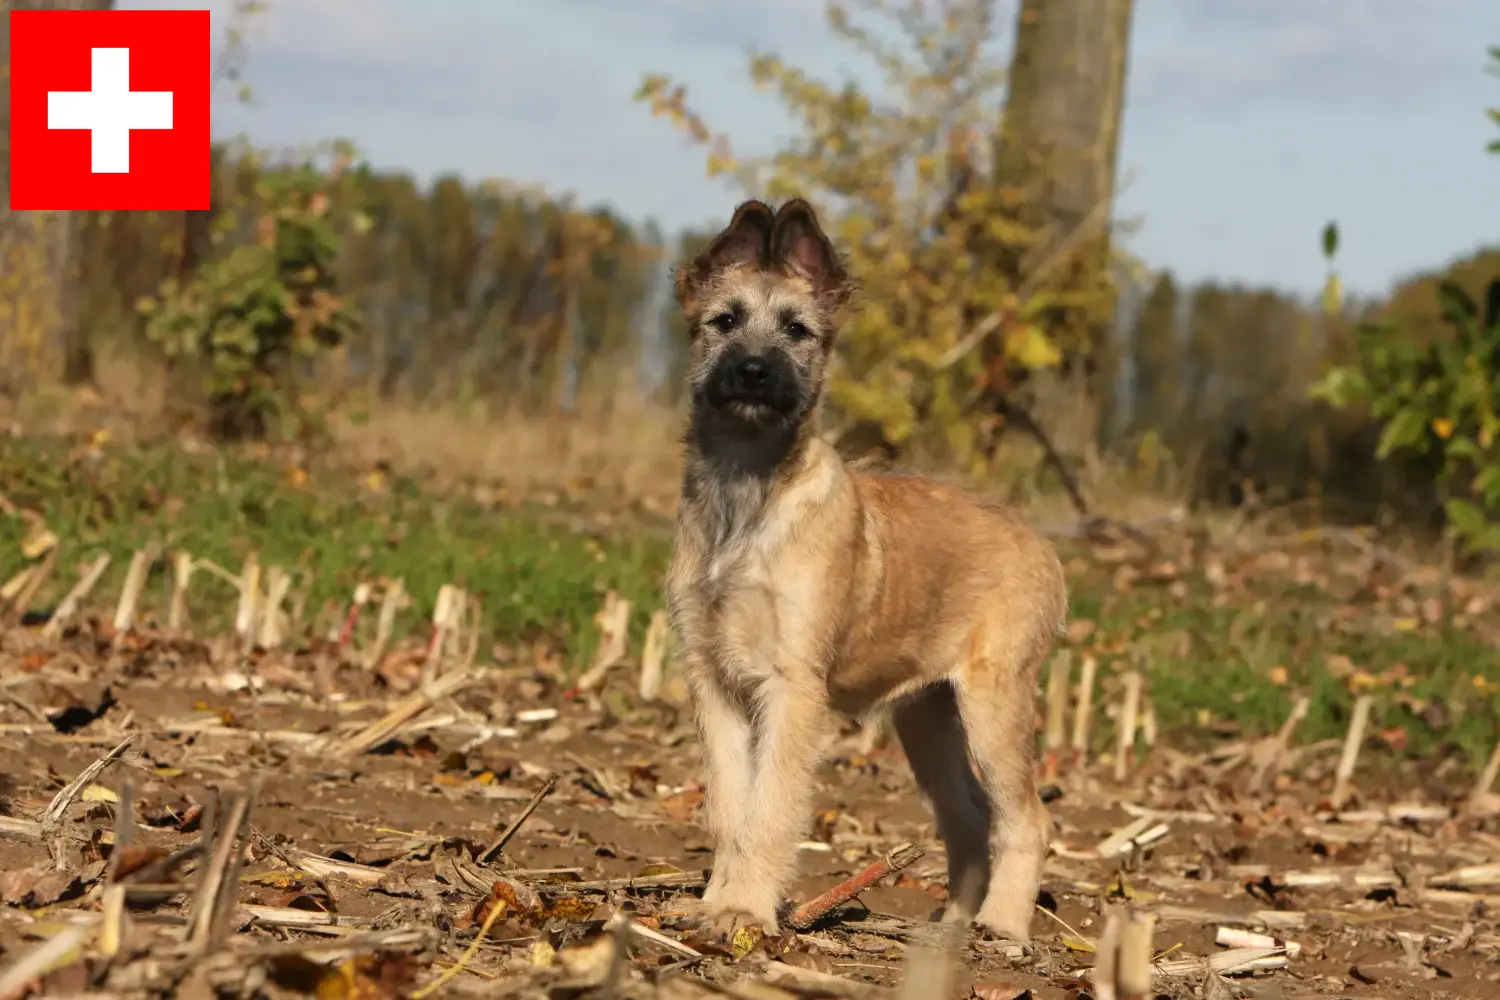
{"x":370,"y":866}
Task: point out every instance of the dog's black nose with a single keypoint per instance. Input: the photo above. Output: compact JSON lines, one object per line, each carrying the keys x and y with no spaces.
{"x":752,"y":373}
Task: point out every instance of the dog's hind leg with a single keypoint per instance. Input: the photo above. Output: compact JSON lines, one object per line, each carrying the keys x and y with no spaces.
{"x":997,"y":702}
{"x":928,"y":725}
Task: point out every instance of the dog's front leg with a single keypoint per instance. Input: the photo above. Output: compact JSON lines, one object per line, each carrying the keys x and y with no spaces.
{"x":724,"y":729}
{"x":754,"y":866}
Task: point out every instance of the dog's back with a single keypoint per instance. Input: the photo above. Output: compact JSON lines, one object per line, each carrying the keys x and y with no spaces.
{"x":937,"y":566}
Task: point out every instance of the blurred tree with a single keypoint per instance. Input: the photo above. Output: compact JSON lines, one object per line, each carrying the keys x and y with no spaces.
{"x":690,"y":243}
{"x":1208,"y":318}
{"x":1157,"y":358}
{"x":43,"y":252}
{"x":1055,"y":164}
{"x":1416,"y":303}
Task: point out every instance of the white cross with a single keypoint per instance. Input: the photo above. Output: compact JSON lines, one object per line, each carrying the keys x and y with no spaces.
{"x":110,"y":110}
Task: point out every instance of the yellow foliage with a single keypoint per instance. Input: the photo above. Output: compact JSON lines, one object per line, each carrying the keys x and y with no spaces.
{"x":1029,"y":346}
{"x":903,"y":182}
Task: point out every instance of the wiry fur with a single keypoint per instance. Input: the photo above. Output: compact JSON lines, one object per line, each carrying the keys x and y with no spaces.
{"x":801,"y":587}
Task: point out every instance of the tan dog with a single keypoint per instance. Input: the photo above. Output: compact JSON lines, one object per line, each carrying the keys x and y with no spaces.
{"x":800,"y":587}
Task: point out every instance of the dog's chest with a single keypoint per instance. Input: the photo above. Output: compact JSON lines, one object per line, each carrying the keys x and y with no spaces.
{"x":744,"y":611}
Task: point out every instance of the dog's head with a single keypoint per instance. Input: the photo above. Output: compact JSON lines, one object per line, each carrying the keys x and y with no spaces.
{"x":762,"y":305}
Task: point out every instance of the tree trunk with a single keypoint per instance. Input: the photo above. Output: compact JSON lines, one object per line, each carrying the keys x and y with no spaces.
{"x":1057,"y":153}
{"x":57,"y":240}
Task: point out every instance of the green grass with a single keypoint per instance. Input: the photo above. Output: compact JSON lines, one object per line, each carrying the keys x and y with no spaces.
{"x":541,"y":571}
{"x":1215,"y":666}
{"x":535,"y":576}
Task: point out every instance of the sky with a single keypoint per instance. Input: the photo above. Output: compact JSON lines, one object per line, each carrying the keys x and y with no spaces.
{"x":1248,"y":123}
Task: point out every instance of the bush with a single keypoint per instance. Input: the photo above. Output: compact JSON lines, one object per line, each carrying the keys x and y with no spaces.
{"x":255,"y":314}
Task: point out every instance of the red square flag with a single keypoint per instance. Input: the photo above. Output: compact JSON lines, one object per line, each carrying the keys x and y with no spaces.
{"x":109,"y":109}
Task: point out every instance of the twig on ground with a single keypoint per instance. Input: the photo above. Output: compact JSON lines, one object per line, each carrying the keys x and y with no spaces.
{"x":1057,"y":708}
{"x":669,"y":880}
{"x":391,"y":600}
{"x":15,"y":826}
{"x":447,"y":620}
{"x":653,"y":655}
{"x":272,"y":622}
{"x":124,"y":829}
{"x":68,"y":794}
{"x":1275,"y":751}
{"x":1129,"y":715}
{"x":33,"y":585}
{"x":815,"y":909}
{"x":291,"y":916}
{"x":322,"y":867}
{"x":1238,"y":937}
{"x":1105,"y":974}
{"x":1486,"y":780}
{"x":404,"y":711}
{"x":1083,"y":711}
{"x":182,"y":577}
{"x":248,"y":611}
{"x":1353,"y":741}
{"x":345,"y":633}
{"x":68,"y":606}
{"x":130,"y":593}
{"x":218,"y":884}
{"x":114,"y":920}
{"x":614,"y":639}
{"x":1467,"y":877}
{"x":548,"y":787}
{"x":1234,"y":962}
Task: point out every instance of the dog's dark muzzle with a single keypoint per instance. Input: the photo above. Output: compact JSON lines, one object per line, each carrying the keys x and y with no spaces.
{"x":755,"y":380}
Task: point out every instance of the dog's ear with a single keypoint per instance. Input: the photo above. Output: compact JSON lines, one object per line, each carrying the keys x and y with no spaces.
{"x":798,"y":243}
{"x":746,"y":240}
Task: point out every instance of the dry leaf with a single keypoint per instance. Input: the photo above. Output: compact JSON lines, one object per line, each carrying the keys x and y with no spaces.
{"x":1001,"y":987}
{"x":37,"y":886}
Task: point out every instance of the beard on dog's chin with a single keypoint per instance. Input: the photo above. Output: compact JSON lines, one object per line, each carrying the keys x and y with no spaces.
{"x":749,"y":429}
{"x":756,"y":390}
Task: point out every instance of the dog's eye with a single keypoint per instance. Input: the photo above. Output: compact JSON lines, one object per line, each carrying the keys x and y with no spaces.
{"x":797,"y":331}
{"x":724,"y":322}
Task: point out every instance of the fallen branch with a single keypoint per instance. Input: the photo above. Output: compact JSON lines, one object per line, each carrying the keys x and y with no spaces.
{"x":1354,"y":740}
{"x":68,"y":606}
{"x":1234,"y":962}
{"x":220,"y":880}
{"x":404,"y":711}
{"x":548,"y":787}
{"x":58,"y":807}
{"x":319,"y":866}
{"x":814,"y":910}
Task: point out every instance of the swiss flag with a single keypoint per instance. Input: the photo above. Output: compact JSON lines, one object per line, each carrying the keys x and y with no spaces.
{"x":110,"y":109}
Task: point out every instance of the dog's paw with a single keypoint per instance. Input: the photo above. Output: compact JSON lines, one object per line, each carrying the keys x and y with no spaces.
{"x":721,"y":922}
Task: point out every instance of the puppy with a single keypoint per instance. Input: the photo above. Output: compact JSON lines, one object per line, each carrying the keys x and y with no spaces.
{"x":801,"y":587}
